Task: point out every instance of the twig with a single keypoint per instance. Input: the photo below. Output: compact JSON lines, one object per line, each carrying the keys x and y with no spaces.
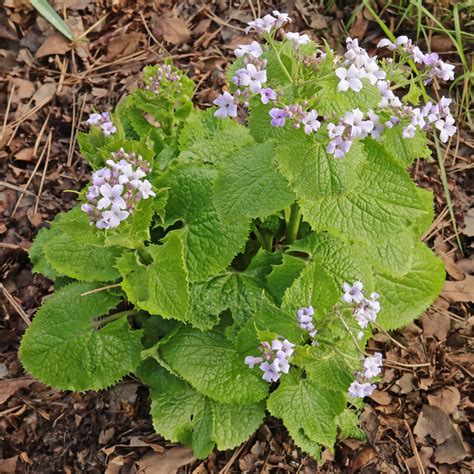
{"x":43,"y":176}
{"x":103,"y":288}
{"x":414,"y":448}
{"x":4,"y":245}
{"x":15,"y":305}
{"x":5,"y":119}
{"x":16,"y":188}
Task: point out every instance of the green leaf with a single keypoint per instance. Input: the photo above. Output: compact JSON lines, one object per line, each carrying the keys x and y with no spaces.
{"x":312,"y":172}
{"x":77,"y":249}
{"x":49,"y":13}
{"x":404,"y":298}
{"x":210,"y":244}
{"x":384,"y":201}
{"x":306,"y":407}
{"x":424,"y":222}
{"x":283,"y":275}
{"x":183,"y":415}
{"x":333,"y":263}
{"x":259,"y":122}
{"x":413,"y":94}
{"x":331,"y":102}
{"x":210,"y":363}
{"x":208,"y":139}
{"x":268,"y":319}
{"x":249,"y":184}
{"x":405,"y":150}
{"x":160,"y":287}
{"x":348,"y":423}
{"x":64,"y":349}
{"x":37,"y":256}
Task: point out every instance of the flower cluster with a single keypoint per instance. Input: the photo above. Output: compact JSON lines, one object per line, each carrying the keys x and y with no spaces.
{"x":436,"y":67}
{"x":362,"y":387}
{"x":298,"y":116}
{"x":274,"y":360}
{"x":103,"y":121}
{"x":364,"y":309}
{"x":268,"y":23}
{"x":163,"y":72}
{"x":117,"y":189}
{"x":304,"y":316}
{"x":424,"y":117}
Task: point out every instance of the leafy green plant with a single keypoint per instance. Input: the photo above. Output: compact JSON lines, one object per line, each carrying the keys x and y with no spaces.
{"x":239,"y":266}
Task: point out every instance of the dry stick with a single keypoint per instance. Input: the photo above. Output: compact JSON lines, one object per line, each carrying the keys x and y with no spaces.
{"x":23,"y":190}
{"x":399,"y":344}
{"x":43,"y":176}
{"x":5,"y":119}
{"x":63,"y":75}
{"x":73,"y":126}
{"x":16,"y":188}
{"x":72,"y":143}
{"x":231,"y":461}
{"x":150,"y":34}
{"x":40,"y":135}
{"x":96,"y":290}
{"x":415,"y":449}
{"x":15,"y":305}
{"x":4,"y":245}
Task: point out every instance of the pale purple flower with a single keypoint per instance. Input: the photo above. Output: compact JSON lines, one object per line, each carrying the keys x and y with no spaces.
{"x":252,"y":77}
{"x":296,"y":38}
{"x":409,"y":131}
{"x":278,"y":117}
{"x":366,"y":311}
{"x":373,"y":365}
{"x":443,"y":71}
{"x":108,"y":128}
{"x":145,"y":189}
{"x":359,"y":128}
{"x":281,"y":18}
{"x":253,"y":49}
{"x":112,"y":196}
{"x":386,"y":43}
{"x":353,"y":293}
{"x":115,"y":216}
{"x":261,"y":25}
{"x":335,"y":130}
{"x":267,"y":94}
{"x":431,"y":59}
{"x":446,"y":127}
{"x":271,"y":372}
{"x":285,"y":346}
{"x":304,"y":316}
{"x":339,"y":147}
{"x":361,"y":390}
{"x":349,"y":79}
{"x":94,"y":120}
{"x":227,"y":106}
{"x":311,"y":122}
{"x":417,"y":55}
{"x":252,"y":361}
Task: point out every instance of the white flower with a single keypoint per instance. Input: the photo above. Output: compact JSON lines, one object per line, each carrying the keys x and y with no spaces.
{"x":349,"y":79}
{"x":115,"y":216}
{"x":311,"y":122}
{"x":145,"y":189}
{"x":296,"y":38}
{"x":227,"y":106}
{"x":262,"y":25}
{"x":112,"y":195}
{"x":361,"y":390}
{"x":446,"y":127}
{"x":252,"y":77}
{"x":373,"y":365}
{"x":335,"y":130}
{"x":253,"y":49}
{"x":386,"y":43}
{"x":359,"y":128}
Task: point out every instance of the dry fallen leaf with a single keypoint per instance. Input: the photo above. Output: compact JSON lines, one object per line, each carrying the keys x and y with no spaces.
{"x":25,"y":155}
{"x":436,"y":324}
{"x":9,"y":386}
{"x":8,"y":465}
{"x":123,"y":45}
{"x":446,"y":399}
{"x":167,"y":463}
{"x":452,"y":268}
{"x":435,"y":423}
{"x":469,"y":223}
{"x":23,"y":89}
{"x":45,"y":92}
{"x":56,"y":43}
{"x":459,"y":291}
{"x":173,"y":30}
{"x":466,"y":264}
{"x":451,"y":451}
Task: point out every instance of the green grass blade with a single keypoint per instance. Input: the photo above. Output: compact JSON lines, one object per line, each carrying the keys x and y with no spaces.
{"x":49,"y":13}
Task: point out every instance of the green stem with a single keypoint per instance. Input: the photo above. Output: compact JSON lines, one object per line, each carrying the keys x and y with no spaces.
{"x":265,"y":240}
{"x":293,"y":224}
{"x":278,"y":58}
{"x":99,"y":323}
